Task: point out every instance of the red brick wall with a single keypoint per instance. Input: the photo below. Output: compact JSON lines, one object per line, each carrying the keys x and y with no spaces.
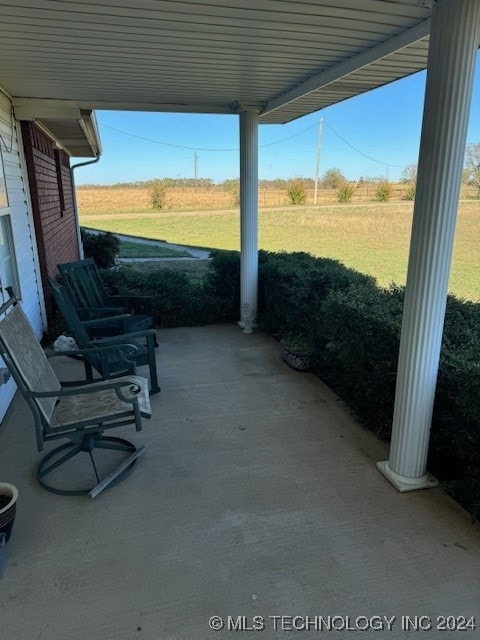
{"x":55,"y":226}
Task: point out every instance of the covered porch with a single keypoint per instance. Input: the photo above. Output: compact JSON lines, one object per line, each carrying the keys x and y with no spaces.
{"x":255,"y":497}
{"x":270,"y":62}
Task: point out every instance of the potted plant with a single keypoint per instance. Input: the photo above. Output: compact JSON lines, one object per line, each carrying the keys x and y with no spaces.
{"x":8,"y":508}
{"x":298,"y":353}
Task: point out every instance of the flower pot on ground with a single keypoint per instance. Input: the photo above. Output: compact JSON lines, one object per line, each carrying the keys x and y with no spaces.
{"x":8,"y":508}
{"x":297,"y":353}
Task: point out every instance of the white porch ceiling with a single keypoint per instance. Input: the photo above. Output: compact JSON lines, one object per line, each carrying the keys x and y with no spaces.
{"x":206,"y":56}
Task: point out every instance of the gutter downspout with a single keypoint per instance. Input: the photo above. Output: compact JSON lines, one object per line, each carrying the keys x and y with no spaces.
{"x":74,"y":197}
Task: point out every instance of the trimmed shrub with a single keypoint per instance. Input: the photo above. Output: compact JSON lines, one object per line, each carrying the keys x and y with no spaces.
{"x":102,"y":247}
{"x":358,"y":351}
{"x":292,"y":289}
{"x":178,"y":301}
{"x":383,"y":192}
{"x":222,"y":285}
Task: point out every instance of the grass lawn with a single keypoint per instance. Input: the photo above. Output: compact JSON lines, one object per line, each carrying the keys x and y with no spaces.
{"x":138,"y":250}
{"x":371,"y":238}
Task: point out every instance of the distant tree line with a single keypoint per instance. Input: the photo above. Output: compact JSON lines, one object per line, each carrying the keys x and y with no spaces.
{"x":332,"y":179}
{"x":471,"y":169}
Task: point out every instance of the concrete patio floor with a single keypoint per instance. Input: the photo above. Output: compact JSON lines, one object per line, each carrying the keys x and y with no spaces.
{"x":258,"y":496}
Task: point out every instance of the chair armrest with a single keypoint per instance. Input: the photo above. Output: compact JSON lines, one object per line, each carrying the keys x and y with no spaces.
{"x":133,"y":386}
{"x":126,"y":351}
{"x":120,"y":346}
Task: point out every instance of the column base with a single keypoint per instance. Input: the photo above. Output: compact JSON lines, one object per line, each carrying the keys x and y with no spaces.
{"x":247,"y":327}
{"x":404,"y":484}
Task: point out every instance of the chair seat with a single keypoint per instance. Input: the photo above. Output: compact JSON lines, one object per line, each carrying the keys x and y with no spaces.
{"x":98,"y":405}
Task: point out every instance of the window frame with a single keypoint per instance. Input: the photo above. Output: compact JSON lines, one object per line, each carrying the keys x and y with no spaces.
{"x":3,"y":185}
{"x":7,"y":233}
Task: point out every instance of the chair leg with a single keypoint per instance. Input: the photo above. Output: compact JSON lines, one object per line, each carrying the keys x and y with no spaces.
{"x":88,"y":371}
{"x":92,"y":460}
{"x":51,"y":461}
{"x":113,"y":477}
{"x":154,"y":388}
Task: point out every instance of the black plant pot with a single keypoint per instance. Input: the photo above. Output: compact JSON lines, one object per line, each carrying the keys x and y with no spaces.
{"x":8,"y":511}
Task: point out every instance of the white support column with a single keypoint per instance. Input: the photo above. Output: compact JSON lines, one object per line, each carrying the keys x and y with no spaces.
{"x":248,"y":219}
{"x":454,"y":39}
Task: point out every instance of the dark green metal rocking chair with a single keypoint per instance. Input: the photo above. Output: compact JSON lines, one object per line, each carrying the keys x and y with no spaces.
{"x":88,"y":295}
{"x":79,"y":413}
{"x":107,"y":364}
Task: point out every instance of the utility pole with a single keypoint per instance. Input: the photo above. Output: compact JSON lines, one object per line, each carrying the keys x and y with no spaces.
{"x":319,"y":146}
{"x":195,"y":160}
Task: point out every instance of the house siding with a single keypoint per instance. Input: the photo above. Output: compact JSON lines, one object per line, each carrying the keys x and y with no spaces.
{"x":55,"y":225}
{"x":22,"y":230}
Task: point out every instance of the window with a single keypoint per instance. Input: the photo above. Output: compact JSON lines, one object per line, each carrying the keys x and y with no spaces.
{"x":3,"y":186}
{"x":8,"y":265}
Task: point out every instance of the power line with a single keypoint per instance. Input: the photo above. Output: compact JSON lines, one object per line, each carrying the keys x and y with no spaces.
{"x":385,"y":164}
{"x":166,"y":144}
{"x":299,"y":133}
{"x":268,"y":144}
{"x":180,"y":146}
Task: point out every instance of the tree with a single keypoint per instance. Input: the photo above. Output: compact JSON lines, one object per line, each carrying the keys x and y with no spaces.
{"x":471,"y":173}
{"x":297,"y":194}
{"x":409,"y":174}
{"x":345,"y":192}
{"x":333,"y":179}
{"x":158,"y":194}
{"x":383,"y":192}
{"x":232,"y":187}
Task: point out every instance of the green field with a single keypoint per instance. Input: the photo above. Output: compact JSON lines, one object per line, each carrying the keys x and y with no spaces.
{"x":139,"y":250}
{"x":371,"y":238}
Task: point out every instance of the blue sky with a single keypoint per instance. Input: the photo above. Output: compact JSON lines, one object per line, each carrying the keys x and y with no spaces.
{"x":383,"y":124}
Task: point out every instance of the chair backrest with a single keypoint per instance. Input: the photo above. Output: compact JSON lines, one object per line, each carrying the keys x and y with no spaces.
{"x":73,"y":322}
{"x":69,"y":313}
{"x":83,"y":283}
{"x":25,"y":358}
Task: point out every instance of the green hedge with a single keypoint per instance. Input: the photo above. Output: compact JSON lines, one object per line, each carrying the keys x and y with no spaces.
{"x":177,"y":300}
{"x":357,"y":351}
{"x":293,"y":288}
